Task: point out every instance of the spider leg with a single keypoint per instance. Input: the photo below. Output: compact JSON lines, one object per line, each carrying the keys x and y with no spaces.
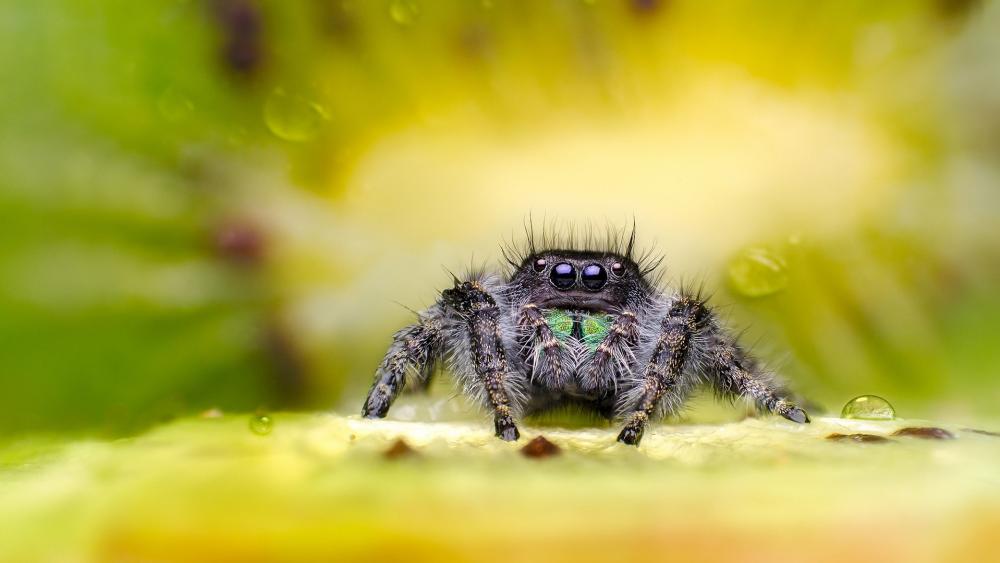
{"x":662,"y":378}
{"x":480,"y":312}
{"x":734,"y":373}
{"x":613,"y":355}
{"x":692,"y":340}
{"x":413,"y":351}
{"x":546,"y":357}
{"x":422,"y":382}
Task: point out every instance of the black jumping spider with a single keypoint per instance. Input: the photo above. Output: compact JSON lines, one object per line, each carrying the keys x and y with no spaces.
{"x":570,"y":324}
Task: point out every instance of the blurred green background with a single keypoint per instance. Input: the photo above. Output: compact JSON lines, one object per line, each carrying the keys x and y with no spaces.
{"x":230,"y":203}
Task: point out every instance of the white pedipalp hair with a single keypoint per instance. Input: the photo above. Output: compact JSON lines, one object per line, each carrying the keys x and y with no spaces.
{"x":458,"y":354}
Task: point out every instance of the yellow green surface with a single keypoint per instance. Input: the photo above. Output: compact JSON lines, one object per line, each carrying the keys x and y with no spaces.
{"x":319,"y":487}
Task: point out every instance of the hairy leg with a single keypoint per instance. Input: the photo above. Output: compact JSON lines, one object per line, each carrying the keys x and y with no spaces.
{"x":546,"y":356}
{"x":613,"y":355}
{"x":692,"y":340}
{"x":734,"y":373}
{"x":412,"y":352}
{"x":662,"y":377}
{"x":481,"y":314}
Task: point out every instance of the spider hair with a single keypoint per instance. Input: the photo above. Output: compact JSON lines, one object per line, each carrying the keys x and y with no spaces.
{"x":563,"y":236}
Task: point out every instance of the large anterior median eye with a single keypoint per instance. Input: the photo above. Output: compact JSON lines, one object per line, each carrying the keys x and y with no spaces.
{"x":563,"y":275}
{"x":594,"y":277}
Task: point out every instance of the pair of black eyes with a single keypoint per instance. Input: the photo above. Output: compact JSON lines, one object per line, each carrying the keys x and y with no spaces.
{"x":593,"y":276}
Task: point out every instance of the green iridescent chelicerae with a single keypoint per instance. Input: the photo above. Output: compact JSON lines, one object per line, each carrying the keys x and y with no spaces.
{"x":593,"y":327}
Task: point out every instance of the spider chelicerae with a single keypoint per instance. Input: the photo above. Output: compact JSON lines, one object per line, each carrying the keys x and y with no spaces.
{"x":575,"y":322}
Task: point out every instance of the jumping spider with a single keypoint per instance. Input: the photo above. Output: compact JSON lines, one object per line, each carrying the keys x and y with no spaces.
{"x":575,"y":325}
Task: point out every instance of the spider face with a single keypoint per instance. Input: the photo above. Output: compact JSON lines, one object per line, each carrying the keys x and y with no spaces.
{"x":579,"y":280}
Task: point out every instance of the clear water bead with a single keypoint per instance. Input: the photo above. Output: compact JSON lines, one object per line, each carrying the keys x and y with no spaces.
{"x":292,"y":117}
{"x":404,"y":12}
{"x":261,"y":424}
{"x":173,"y":105}
{"x":868,"y":407}
{"x":757,"y":272}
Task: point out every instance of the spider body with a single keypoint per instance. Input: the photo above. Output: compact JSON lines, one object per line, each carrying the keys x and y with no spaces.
{"x":575,"y":326}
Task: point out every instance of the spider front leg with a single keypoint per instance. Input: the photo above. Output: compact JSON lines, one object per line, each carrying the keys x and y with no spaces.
{"x":663,"y":376}
{"x":413,"y":351}
{"x":481,"y":314}
{"x":734,"y":373}
{"x":690,"y":335}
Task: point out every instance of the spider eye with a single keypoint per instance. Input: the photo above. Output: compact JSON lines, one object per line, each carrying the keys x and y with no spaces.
{"x":617,"y":269}
{"x":539,"y":264}
{"x":594,"y":277}
{"x":563,"y":275}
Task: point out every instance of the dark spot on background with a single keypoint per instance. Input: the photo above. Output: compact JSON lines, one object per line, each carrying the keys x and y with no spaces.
{"x":399,"y":449}
{"x":956,"y":9}
{"x":860,"y":438}
{"x":646,"y":8}
{"x":474,"y":43}
{"x":239,"y":242}
{"x":335,"y":21}
{"x":539,"y":448}
{"x":240,"y":26}
{"x":925,"y":432}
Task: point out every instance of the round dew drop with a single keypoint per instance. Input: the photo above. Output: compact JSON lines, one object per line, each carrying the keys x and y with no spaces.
{"x":261,"y":424}
{"x":173,"y":105}
{"x":404,"y":12}
{"x":868,"y":407}
{"x":292,"y":117}
{"x":758,"y":272}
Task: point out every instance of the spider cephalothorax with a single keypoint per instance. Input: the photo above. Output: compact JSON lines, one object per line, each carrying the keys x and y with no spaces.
{"x":575,"y":324}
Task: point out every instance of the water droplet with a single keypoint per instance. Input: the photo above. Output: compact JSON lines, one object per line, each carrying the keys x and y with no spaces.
{"x":173,"y":105}
{"x":261,"y":424}
{"x":404,"y":12}
{"x":291,"y":117}
{"x":868,"y":407}
{"x":757,"y":272}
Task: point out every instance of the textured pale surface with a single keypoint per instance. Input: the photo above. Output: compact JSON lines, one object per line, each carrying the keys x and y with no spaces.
{"x":319,"y":487}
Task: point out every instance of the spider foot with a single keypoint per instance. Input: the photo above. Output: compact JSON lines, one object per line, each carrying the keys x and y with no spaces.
{"x":795,"y":414}
{"x":630,"y":436}
{"x":377,"y":404}
{"x":506,"y":430}
{"x":634,"y":429}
